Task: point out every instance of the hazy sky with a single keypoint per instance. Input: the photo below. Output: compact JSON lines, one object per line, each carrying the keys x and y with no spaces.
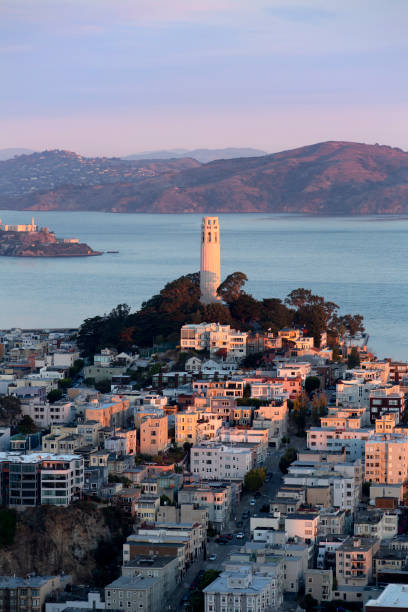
{"x":122,"y":76}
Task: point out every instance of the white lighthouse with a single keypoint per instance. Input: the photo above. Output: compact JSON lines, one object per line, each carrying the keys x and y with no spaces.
{"x":210,"y":270}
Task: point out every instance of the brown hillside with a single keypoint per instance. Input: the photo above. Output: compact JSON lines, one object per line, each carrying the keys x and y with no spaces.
{"x":325,"y":178}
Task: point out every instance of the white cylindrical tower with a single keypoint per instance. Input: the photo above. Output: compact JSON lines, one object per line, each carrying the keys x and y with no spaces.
{"x":210,"y":270}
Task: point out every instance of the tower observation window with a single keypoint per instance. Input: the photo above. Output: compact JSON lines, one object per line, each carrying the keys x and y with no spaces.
{"x":209,"y":236}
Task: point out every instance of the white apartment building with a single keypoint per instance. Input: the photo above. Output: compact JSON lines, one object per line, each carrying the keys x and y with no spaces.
{"x":273,"y":418}
{"x":45,"y":414}
{"x":220,"y":462}
{"x":213,"y":337}
{"x":243,"y":588}
{"x":61,"y":479}
{"x":294,"y":369}
{"x":355,"y":392}
{"x":302,"y":525}
{"x":268,"y":391}
{"x":344,"y":479}
{"x":332,"y":439}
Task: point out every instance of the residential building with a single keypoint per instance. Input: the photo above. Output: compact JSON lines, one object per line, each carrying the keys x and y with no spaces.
{"x":319,"y":584}
{"x":216,"y":498}
{"x":386,"y":459}
{"x":112,"y":413}
{"x":393,"y":597}
{"x":146,"y":507}
{"x":354,"y":561}
{"x":376,"y":524}
{"x":217,"y":461}
{"x":28,"y":593}
{"x":244,"y":588}
{"x":213,"y":337}
{"x":154,"y":435}
{"x":386,"y":400}
{"x":40,"y":478}
{"x":302,"y":525}
{"x":165,"y":568}
{"x":134,"y":593}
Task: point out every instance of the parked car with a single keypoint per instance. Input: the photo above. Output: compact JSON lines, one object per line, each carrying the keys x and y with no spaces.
{"x":252,"y":502}
{"x":212,"y":557}
{"x":258,"y":494}
{"x":240,"y":535}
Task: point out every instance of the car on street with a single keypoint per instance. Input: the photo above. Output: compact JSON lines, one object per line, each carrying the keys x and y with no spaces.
{"x":258,"y":494}
{"x":212,"y":557}
{"x":252,"y":502}
{"x":240,"y":535}
{"x":245,"y":514}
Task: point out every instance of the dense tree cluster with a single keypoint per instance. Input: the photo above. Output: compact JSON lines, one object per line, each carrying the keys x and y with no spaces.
{"x":161,"y":317}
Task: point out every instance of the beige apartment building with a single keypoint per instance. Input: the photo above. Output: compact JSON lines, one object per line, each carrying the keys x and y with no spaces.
{"x":319,"y":584}
{"x":386,"y":459}
{"x":154,"y":435}
{"x":354,"y":561}
{"x":195,"y":426}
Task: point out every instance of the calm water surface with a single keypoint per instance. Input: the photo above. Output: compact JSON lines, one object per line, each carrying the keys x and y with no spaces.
{"x":359,"y":263}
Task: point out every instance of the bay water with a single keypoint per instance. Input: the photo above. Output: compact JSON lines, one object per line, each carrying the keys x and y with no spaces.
{"x":358,"y":262}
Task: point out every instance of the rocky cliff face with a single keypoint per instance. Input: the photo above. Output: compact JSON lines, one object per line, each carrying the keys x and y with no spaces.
{"x":326,"y":178}
{"x":50,"y":540}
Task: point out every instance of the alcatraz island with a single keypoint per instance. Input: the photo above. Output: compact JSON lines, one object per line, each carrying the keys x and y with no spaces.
{"x":32,"y":241}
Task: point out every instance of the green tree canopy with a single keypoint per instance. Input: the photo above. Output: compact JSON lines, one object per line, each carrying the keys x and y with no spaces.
{"x":10,"y":410}
{"x":288,"y":457}
{"x":103,"y":386}
{"x":26,"y":425}
{"x":231,"y":289}
{"x":254,"y":479}
{"x":54,"y":395}
{"x":312,"y":383}
{"x":353,"y":359}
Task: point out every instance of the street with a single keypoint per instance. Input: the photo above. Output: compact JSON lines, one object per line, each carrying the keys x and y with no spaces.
{"x":223,"y":551}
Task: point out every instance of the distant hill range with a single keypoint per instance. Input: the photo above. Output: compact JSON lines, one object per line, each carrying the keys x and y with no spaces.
{"x":202,"y":155}
{"x":10,"y":153}
{"x":326,"y":178}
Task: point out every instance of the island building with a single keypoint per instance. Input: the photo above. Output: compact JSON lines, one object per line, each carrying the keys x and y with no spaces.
{"x":30,"y":227}
{"x":210,"y":269}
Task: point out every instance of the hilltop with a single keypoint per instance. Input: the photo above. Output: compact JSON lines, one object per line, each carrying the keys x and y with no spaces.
{"x":324,"y":178}
{"x":202,"y":155}
{"x":28,"y":174}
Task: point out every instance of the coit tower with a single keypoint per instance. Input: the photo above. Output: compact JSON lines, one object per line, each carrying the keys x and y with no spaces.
{"x":210,"y":274}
